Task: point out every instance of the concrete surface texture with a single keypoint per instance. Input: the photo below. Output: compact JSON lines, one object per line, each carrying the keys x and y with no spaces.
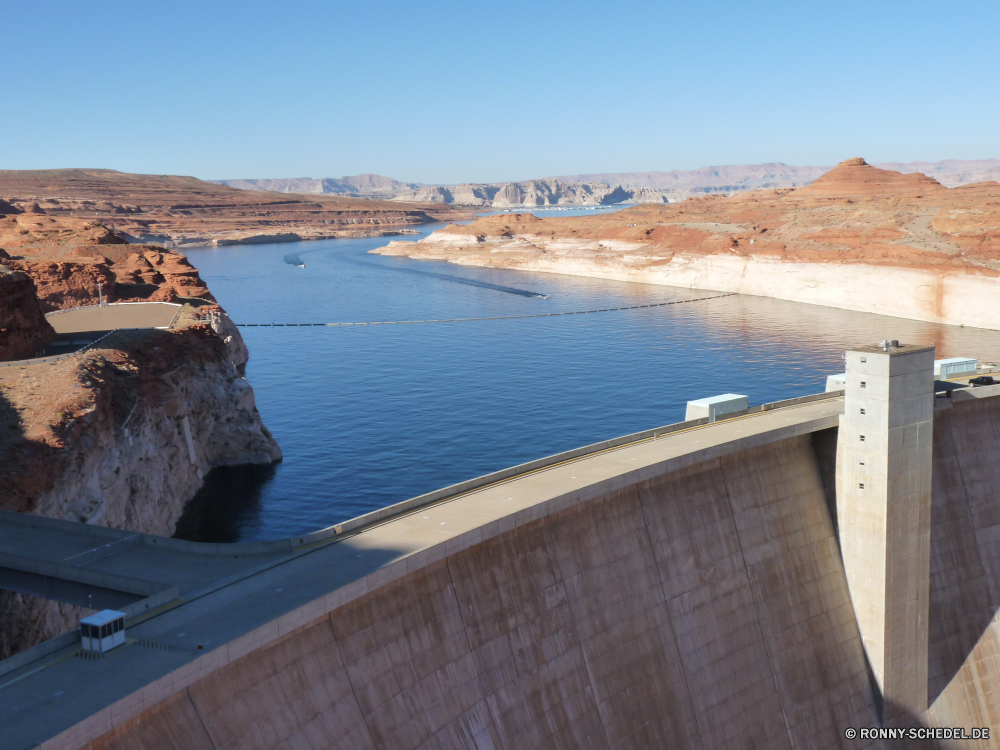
{"x":109,"y":317}
{"x":686,"y":592}
{"x":884,"y":461}
{"x":704,"y":608}
{"x":60,"y":701}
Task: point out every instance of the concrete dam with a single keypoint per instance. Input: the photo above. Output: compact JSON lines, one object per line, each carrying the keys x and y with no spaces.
{"x":773,"y":579}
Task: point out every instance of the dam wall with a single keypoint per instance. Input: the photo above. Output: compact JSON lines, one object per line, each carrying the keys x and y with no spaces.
{"x":964,"y":629}
{"x":705,"y":607}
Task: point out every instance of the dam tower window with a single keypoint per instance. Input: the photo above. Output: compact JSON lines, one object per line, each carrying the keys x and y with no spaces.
{"x":862,"y":438}
{"x":862,"y":411}
{"x":861,"y":485}
{"x":863,"y":384}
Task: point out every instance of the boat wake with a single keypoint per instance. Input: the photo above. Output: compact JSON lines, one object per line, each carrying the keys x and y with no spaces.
{"x":295,"y":259}
{"x":449,"y":277}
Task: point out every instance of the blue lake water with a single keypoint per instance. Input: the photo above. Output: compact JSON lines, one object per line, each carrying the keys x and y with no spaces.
{"x":368,"y":416}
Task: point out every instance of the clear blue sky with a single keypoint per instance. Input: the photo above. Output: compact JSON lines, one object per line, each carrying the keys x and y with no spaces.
{"x":443,"y":92}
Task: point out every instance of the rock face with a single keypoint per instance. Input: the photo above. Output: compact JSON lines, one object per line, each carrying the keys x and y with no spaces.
{"x":76,"y":262}
{"x":640,"y":187}
{"x":532,"y":193}
{"x":23,"y":328}
{"x":124,"y":434}
{"x":124,"y":437}
{"x":859,"y":238}
{"x":183,"y":211}
{"x":855,"y":177}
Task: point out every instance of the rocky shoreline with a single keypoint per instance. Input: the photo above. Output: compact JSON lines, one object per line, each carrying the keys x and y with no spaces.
{"x":859,"y":238}
{"x":123,"y":434}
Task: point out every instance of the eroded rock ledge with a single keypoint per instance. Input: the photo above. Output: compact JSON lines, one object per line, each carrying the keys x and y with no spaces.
{"x":123,"y":434}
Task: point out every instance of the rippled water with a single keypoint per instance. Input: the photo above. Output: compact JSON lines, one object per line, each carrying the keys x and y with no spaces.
{"x":371,"y":415}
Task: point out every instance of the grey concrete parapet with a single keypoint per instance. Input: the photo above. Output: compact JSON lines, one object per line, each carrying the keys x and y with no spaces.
{"x":40,"y":651}
{"x":31,"y":520}
{"x":378,"y":516}
{"x":80,"y":575}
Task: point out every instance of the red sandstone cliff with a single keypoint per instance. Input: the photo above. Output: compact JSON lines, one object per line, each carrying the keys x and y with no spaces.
{"x":123,"y":434}
{"x":184,"y":211}
{"x":859,"y":238}
{"x":23,"y":328}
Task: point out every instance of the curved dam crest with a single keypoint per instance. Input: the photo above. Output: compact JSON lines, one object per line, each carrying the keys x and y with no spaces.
{"x":686,"y":591}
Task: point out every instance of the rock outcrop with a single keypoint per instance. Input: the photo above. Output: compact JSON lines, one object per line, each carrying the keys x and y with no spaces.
{"x":640,"y":187}
{"x":184,"y":211}
{"x":123,"y":434}
{"x":76,"y":262}
{"x":856,"y":177}
{"x":532,"y":193}
{"x":23,"y":328}
{"x":859,"y":238}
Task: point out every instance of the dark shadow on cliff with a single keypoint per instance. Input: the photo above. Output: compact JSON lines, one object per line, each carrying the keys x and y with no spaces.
{"x":25,"y":465}
{"x":24,"y":620}
{"x":227,"y":506}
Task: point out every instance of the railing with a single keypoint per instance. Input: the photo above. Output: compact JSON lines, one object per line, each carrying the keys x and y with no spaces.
{"x":60,"y":357}
{"x":352,"y":526}
{"x":348,"y":528}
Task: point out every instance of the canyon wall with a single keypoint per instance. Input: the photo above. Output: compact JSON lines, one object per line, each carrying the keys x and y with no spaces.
{"x":858,"y":238}
{"x":123,"y":434}
{"x":184,"y":211}
{"x":639,"y":187}
{"x":533,"y":193}
{"x":928,"y":294}
{"x":23,"y":328}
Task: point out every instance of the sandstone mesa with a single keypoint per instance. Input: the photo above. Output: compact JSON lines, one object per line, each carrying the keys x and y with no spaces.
{"x":858,"y":238}
{"x":610,"y":188}
{"x":187,"y":212}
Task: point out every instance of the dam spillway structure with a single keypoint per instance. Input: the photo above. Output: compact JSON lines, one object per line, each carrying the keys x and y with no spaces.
{"x":691,"y":586}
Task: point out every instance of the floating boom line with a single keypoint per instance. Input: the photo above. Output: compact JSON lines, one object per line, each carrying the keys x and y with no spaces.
{"x":469,"y":320}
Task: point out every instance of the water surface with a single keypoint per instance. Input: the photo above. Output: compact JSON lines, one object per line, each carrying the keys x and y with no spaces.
{"x":368,"y":416}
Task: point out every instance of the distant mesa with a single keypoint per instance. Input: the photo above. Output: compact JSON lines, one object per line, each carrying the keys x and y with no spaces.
{"x":362,"y":185}
{"x":644,"y":187}
{"x":856,"y":177}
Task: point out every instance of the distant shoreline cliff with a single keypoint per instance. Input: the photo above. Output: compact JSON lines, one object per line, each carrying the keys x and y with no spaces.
{"x":609,"y":188}
{"x":859,"y":238}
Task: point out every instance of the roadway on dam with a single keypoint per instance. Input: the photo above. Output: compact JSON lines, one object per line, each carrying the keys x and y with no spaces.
{"x":225,"y":592}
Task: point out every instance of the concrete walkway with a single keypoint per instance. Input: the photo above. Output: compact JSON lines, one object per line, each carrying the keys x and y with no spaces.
{"x":64,"y":701}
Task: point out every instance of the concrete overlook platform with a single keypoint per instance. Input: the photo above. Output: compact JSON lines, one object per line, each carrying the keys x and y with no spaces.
{"x":685,"y":590}
{"x":98,"y":319}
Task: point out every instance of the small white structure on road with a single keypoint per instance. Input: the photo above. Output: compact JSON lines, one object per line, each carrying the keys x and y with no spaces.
{"x":954,"y":367}
{"x":102,"y":631}
{"x":836,"y":382}
{"x":716,"y":406}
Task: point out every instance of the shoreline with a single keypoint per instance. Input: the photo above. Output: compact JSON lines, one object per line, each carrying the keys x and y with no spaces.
{"x":958,"y":299}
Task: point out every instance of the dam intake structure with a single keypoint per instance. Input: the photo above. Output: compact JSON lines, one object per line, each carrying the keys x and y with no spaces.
{"x":686,"y":587}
